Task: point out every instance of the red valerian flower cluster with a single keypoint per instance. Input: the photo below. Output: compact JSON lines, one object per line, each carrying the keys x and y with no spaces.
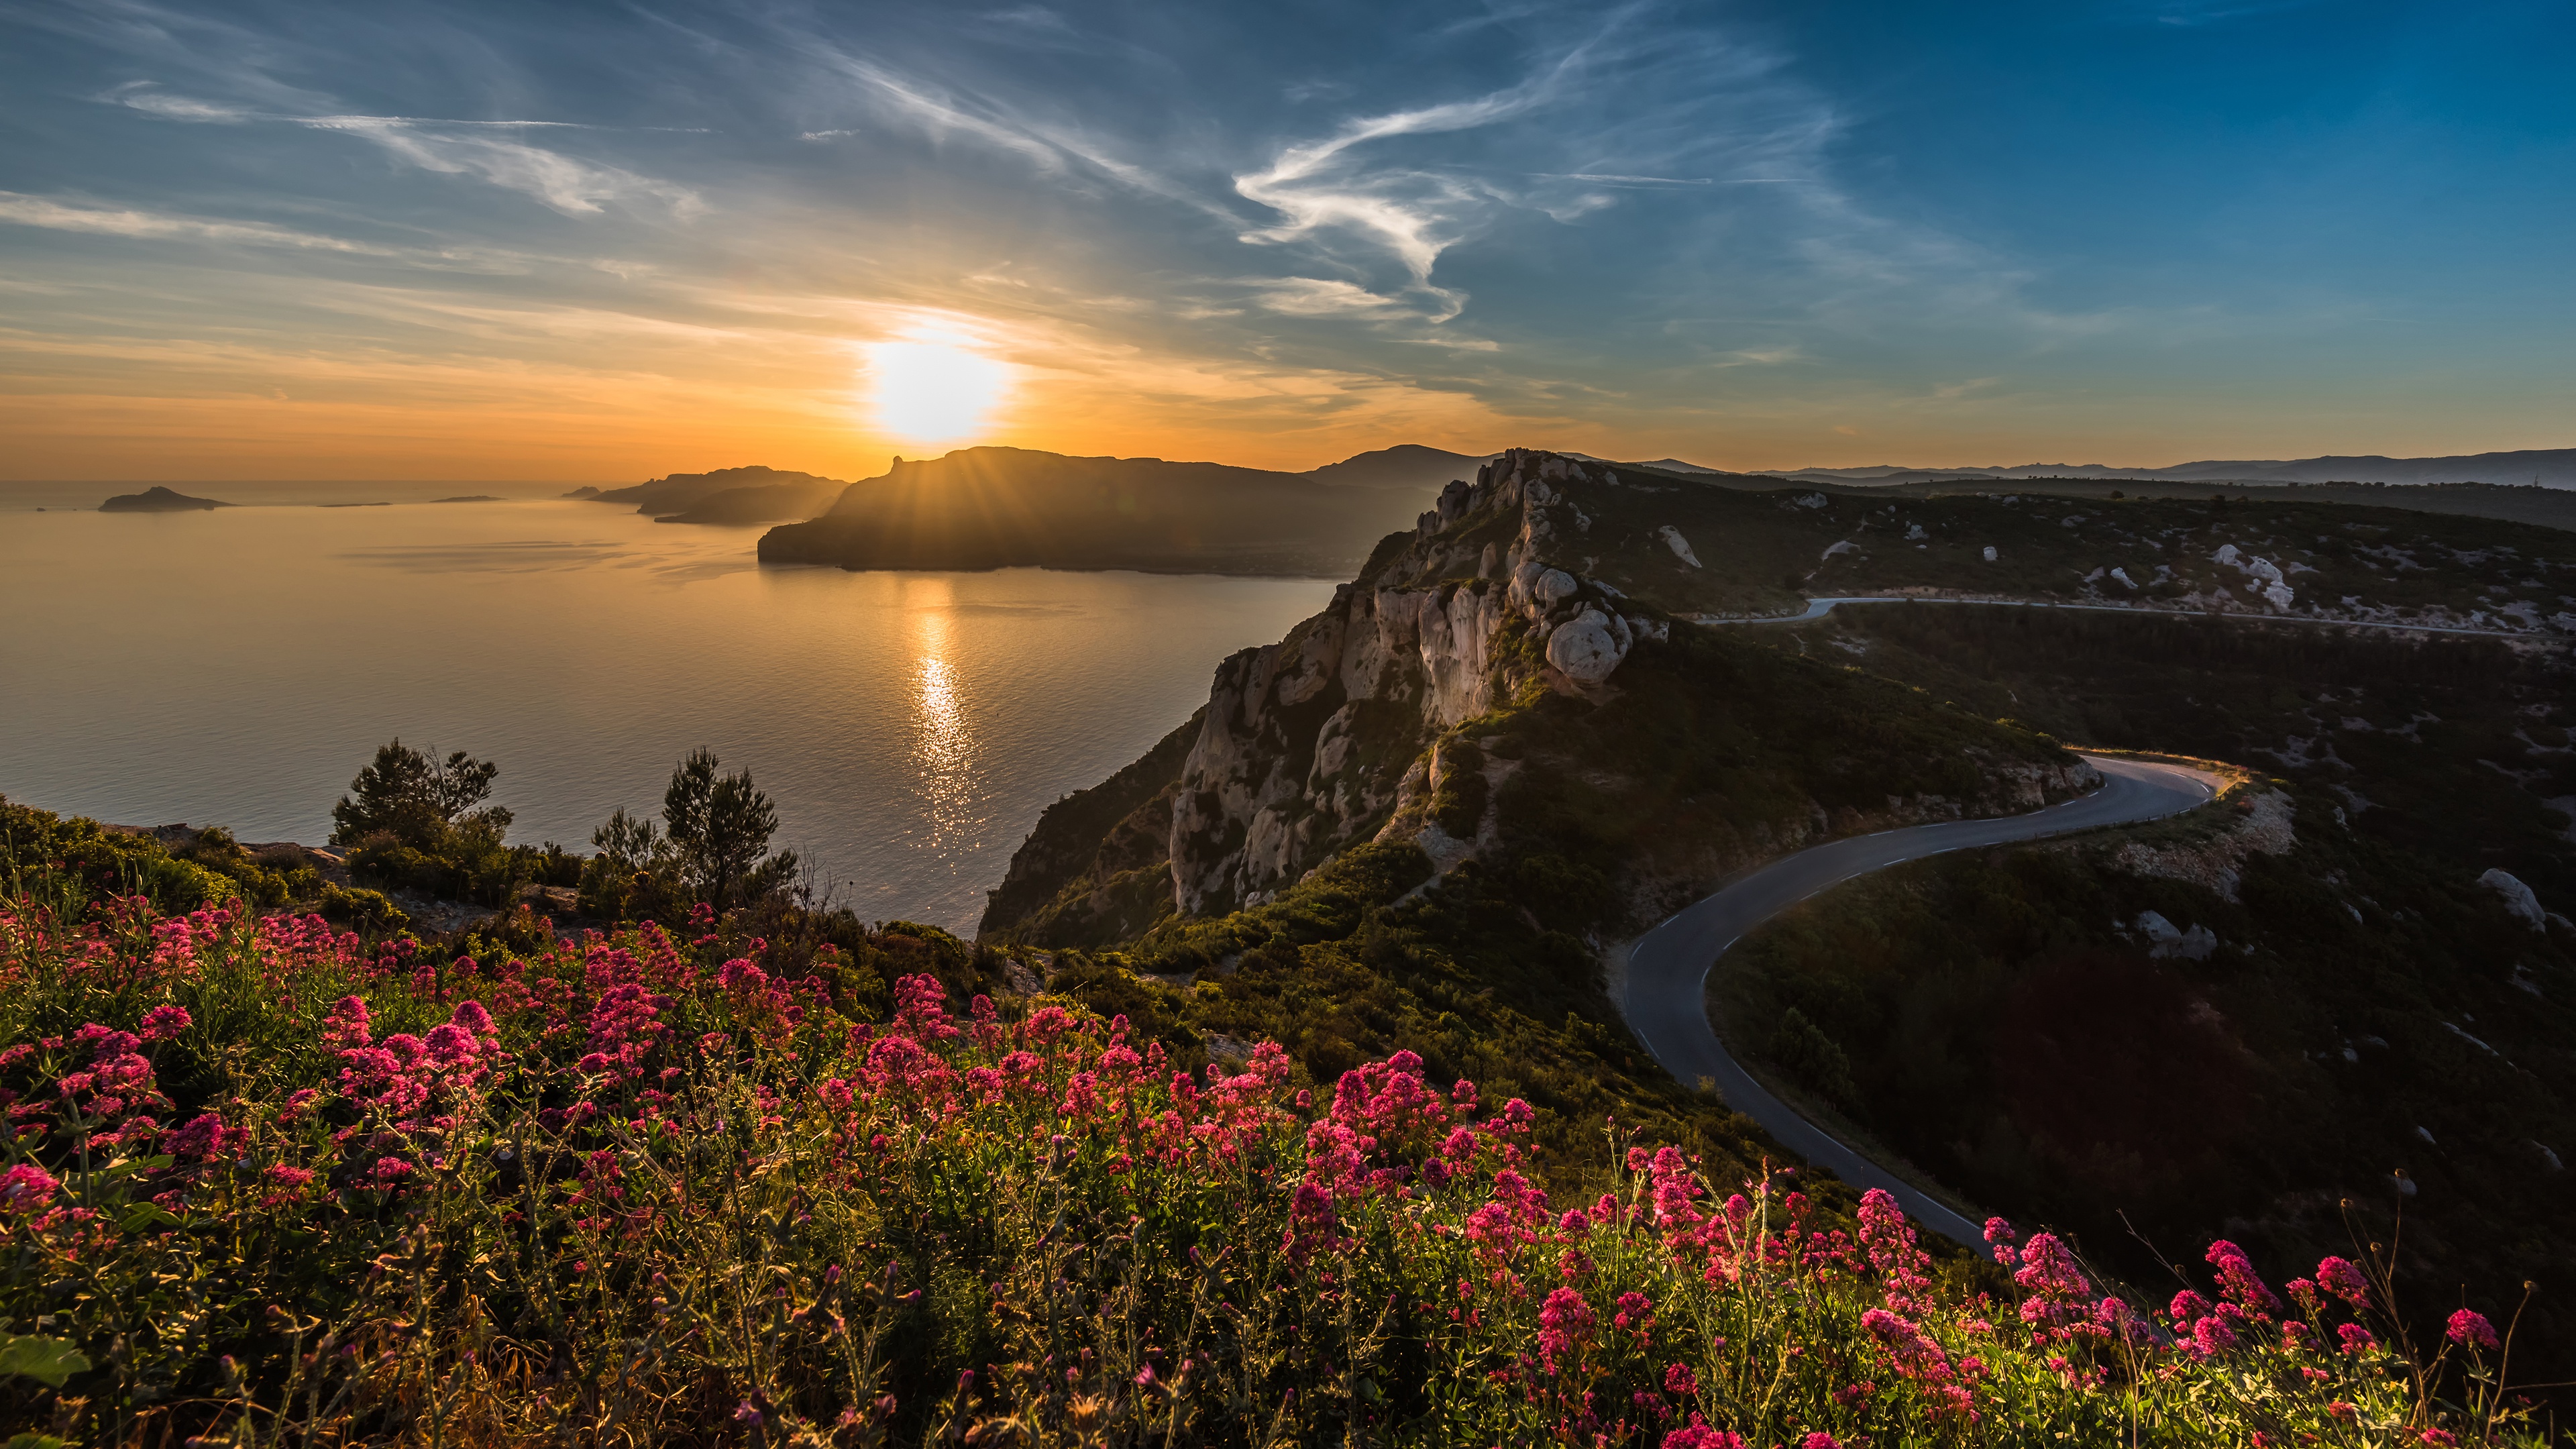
{"x":602,"y":1107}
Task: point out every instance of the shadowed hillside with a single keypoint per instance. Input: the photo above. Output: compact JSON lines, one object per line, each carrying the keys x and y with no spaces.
{"x":985,"y":508}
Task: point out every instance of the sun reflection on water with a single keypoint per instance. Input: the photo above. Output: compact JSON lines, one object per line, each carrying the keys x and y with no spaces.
{"x":945,"y":752}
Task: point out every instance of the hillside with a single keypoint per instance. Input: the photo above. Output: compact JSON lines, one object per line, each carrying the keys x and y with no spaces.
{"x":984,"y":508}
{"x":1513,"y":698}
{"x":753,"y":494}
{"x":2550,"y":467}
{"x":674,"y":1184}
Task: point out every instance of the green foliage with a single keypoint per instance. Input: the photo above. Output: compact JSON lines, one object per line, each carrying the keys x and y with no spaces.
{"x":361,"y":910}
{"x":48,"y":1361}
{"x":49,"y":856}
{"x":712,"y":847}
{"x":1804,"y":1051}
{"x":718,"y":827}
{"x":416,"y":798}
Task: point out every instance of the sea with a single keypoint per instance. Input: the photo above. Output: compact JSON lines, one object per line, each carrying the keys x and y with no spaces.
{"x":237,"y":668}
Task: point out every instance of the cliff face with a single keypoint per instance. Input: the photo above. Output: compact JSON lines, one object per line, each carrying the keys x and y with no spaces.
{"x":1312,"y":742}
{"x":1455,"y":695}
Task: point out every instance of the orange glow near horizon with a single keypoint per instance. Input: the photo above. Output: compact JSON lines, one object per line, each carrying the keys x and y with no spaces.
{"x":602,"y":396}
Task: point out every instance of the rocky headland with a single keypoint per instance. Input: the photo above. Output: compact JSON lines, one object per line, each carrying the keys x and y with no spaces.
{"x":158,"y":499}
{"x":986,"y":508}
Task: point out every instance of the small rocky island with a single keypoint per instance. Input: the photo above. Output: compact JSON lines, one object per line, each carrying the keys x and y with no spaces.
{"x":157,"y":500}
{"x":469,"y":498}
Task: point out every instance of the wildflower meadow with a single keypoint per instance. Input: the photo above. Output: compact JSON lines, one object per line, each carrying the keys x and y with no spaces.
{"x":274,"y":1183}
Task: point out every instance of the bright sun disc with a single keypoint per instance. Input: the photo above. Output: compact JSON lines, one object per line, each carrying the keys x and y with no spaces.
{"x":932,"y":392}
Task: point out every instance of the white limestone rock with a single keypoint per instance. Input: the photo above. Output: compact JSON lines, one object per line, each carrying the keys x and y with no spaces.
{"x":1587,"y":647}
{"x":2518,"y":899}
{"x":2165,"y":939}
{"x":1680,"y":546}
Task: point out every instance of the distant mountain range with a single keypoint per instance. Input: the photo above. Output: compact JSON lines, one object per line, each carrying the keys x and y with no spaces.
{"x":1001,"y":507}
{"x":2549,"y":467}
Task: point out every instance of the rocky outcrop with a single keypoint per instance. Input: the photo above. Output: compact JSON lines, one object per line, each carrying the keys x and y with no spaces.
{"x":2266,"y":824}
{"x":1446,"y":698}
{"x":1307,"y":742}
{"x":2518,"y":898}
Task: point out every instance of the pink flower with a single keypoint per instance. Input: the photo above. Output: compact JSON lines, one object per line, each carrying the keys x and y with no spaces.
{"x":1680,"y":1380}
{"x":347,"y":1026}
{"x":2470,"y":1328}
{"x":2000,"y":1236}
{"x":164,"y":1022}
{"x":2213,"y":1335}
{"x":27,"y":1187}
{"x":1701,"y":1436}
{"x":2238,"y":1283}
{"x":284,"y":1176}
{"x":204,"y":1138}
{"x":2187,"y":1306}
{"x":1820,"y":1440}
{"x":2060,"y":1293}
{"x":1565,"y":1323}
{"x":2441,"y":1438}
{"x":2356,"y":1339}
{"x":2344,"y":1281}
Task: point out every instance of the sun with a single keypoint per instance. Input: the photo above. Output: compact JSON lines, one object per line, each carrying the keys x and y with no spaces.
{"x":932,"y":390}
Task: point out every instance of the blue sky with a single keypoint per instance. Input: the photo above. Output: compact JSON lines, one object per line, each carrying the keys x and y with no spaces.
{"x":594,"y":241}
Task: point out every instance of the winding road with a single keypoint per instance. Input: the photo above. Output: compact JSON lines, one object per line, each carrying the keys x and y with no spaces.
{"x":1664,"y":994}
{"x":1819,"y":608}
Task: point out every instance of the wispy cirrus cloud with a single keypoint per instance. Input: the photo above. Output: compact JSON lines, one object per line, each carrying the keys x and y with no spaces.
{"x":97,"y":220}
{"x":452,"y":147}
{"x":572,"y":186}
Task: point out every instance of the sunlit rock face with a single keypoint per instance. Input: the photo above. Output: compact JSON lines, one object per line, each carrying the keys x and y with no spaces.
{"x":1307,"y":743}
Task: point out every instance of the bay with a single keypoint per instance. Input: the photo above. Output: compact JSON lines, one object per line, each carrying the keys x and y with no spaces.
{"x":237,"y":667}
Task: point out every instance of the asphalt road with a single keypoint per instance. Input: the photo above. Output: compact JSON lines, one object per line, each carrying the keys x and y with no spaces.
{"x":1664,"y":995}
{"x":1819,"y":608}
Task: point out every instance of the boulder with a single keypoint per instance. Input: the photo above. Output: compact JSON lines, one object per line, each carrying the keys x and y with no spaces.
{"x":1587,"y":647}
{"x":2518,"y":899}
{"x":2165,"y":939}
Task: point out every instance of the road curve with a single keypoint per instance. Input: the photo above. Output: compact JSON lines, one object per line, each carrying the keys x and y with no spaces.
{"x":1664,"y":995}
{"x":1819,"y":608}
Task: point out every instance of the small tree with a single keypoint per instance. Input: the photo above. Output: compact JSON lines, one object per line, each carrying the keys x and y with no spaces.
{"x":719,"y":828}
{"x":417,"y":797}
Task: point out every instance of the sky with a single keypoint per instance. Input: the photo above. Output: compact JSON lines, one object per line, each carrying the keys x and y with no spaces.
{"x":599,"y":242}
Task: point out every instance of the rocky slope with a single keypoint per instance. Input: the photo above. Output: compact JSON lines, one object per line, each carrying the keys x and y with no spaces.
{"x":1459,"y":693}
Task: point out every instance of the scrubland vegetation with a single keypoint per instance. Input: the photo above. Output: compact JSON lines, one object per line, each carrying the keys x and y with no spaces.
{"x":271,"y":1182}
{"x":2364,"y":1008}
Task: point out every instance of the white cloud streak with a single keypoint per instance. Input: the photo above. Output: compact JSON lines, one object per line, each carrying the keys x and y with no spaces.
{"x":570,"y":186}
{"x":574,"y":187}
{"x":38,"y":211}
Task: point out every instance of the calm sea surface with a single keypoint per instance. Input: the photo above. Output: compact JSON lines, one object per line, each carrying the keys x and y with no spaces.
{"x":238,"y":667}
